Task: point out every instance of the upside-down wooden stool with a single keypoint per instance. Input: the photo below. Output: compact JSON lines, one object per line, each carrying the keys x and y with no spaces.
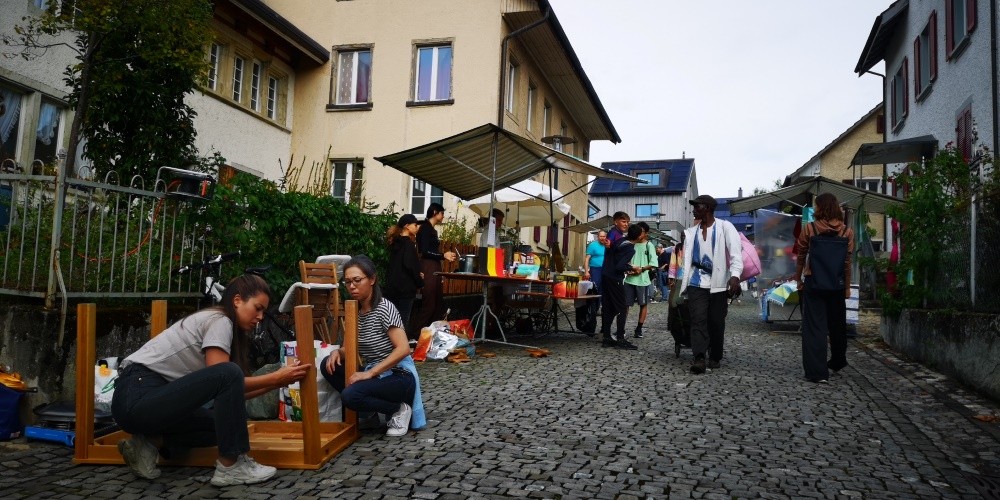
{"x":288,"y":445}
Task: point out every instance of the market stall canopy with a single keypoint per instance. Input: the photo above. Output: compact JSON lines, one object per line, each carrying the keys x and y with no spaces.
{"x":526,"y":204}
{"x":463,"y":164}
{"x":901,"y":151}
{"x":802,"y":193}
{"x":594,"y":225}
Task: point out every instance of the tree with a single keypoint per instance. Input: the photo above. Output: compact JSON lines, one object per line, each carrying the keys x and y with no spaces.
{"x":760,"y":190}
{"x":137,"y":59}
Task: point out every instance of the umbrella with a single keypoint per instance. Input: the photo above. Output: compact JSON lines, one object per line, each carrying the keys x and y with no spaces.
{"x":526,"y":202}
{"x":786,"y":293}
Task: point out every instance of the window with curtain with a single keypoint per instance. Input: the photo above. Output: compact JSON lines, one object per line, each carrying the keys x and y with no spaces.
{"x":899,"y":97}
{"x":10,"y":121}
{"x":238,"y":79}
{"x":46,"y":136}
{"x":255,"y":87}
{"x":532,"y":91}
{"x":512,"y":79}
{"x":346,"y":179}
{"x":272,"y":97}
{"x":433,"y":73}
{"x":354,"y":73}
{"x":213,"y":66}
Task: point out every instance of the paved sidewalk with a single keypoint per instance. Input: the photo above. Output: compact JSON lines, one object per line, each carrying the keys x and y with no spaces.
{"x":591,"y":422}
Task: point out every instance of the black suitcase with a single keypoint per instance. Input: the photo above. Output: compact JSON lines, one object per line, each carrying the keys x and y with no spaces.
{"x":679,"y":323}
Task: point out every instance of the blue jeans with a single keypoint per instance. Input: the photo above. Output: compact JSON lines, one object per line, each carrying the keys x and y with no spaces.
{"x":382,"y":394}
{"x":664,"y":280}
{"x":146,"y":403}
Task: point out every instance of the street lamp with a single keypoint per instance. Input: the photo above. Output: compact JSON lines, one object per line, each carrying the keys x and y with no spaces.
{"x":658,"y":216}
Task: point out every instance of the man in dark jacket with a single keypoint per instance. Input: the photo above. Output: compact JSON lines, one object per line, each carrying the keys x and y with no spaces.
{"x":617,"y":263}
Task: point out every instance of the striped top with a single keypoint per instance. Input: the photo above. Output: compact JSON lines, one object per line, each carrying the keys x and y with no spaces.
{"x":373,"y":332}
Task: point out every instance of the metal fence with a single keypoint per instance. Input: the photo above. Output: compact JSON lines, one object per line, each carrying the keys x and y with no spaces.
{"x":968,"y":274}
{"x":110,"y":241}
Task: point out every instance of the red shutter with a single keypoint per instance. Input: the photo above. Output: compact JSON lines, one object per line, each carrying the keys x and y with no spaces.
{"x":916,"y":66}
{"x":880,"y":124}
{"x":893,"y":101}
{"x":970,"y":15}
{"x":932,"y":45}
{"x":906,"y":87}
{"x":949,"y":31}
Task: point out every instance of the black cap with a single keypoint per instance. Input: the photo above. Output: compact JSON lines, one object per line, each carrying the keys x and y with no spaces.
{"x":406,"y":219}
{"x":706,"y":200}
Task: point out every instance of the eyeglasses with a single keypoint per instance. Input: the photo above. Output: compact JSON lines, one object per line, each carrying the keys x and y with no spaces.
{"x":354,"y":282}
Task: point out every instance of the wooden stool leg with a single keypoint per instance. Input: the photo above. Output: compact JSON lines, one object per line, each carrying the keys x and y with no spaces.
{"x":350,"y":351}
{"x":309,"y":394}
{"x":86,"y":358}
{"x":158,"y":319}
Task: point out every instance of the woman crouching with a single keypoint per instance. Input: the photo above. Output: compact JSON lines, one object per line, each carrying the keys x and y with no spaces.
{"x":389,"y":383}
{"x":163,"y":387}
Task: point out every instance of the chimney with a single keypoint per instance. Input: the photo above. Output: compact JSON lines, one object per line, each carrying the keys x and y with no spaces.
{"x":740,"y":195}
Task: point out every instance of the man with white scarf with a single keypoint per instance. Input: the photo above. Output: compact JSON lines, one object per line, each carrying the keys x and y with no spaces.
{"x":708,"y":282}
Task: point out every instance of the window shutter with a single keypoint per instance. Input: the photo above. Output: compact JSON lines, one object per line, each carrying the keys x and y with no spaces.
{"x":906,"y":87}
{"x":880,"y":124}
{"x":949,"y":31}
{"x":916,"y":66}
{"x":932,"y":46}
{"x":970,"y":15}
{"x":894,"y":101}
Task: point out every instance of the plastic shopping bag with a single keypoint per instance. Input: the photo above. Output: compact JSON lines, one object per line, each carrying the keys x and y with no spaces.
{"x":423,"y":345}
{"x":290,"y":399}
{"x":104,"y":387}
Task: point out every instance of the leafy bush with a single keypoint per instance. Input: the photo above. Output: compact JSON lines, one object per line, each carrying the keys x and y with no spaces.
{"x":280,"y":228}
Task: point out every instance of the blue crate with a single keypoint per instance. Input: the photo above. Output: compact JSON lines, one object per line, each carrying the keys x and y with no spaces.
{"x":46,"y":434}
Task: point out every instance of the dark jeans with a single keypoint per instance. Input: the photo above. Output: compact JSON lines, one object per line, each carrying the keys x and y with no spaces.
{"x":824,"y":313}
{"x":664,"y":290}
{"x":613,"y":306}
{"x":145,"y":403}
{"x":708,"y":321}
{"x":432,"y":302}
{"x":596,"y":276}
{"x":380,"y":394}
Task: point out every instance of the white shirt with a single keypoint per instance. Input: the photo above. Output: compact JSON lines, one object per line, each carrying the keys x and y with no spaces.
{"x":727,"y":245}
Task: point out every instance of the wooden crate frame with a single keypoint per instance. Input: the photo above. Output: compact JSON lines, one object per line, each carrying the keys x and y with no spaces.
{"x":286,"y":445}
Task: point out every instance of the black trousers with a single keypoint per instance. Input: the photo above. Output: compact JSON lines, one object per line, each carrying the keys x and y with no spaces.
{"x":613,"y":306}
{"x":708,"y":321}
{"x":432,"y":304}
{"x":824,"y":314}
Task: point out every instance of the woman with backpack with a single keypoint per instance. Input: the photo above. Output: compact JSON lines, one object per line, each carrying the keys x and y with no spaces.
{"x":823,"y":275}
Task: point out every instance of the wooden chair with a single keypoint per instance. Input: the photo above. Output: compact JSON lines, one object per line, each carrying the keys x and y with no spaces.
{"x":327,"y":314}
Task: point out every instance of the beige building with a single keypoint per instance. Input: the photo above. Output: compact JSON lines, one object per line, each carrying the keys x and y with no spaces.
{"x":403,"y":74}
{"x":834,"y":162}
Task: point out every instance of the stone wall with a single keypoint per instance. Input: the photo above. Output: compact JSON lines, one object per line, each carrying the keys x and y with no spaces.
{"x":29,"y":344}
{"x":962,"y":345}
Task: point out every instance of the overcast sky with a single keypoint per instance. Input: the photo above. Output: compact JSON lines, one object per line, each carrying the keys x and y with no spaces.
{"x":751,"y":89}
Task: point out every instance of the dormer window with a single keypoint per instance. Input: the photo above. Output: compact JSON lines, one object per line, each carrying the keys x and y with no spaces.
{"x":653,"y":179}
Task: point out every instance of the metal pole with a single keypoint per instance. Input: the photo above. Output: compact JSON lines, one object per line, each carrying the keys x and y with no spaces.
{"x":60,"y":203}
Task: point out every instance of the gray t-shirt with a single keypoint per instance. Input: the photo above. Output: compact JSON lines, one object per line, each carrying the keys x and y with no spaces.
{"x":180,"y":349}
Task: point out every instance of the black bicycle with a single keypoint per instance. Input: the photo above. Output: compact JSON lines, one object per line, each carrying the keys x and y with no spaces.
{"x":265,"y":342}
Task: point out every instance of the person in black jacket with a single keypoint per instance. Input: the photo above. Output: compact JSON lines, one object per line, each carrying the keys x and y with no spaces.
{"x":404,"y":273}
{"x":429,"y":246}
{"x":617,"y":264}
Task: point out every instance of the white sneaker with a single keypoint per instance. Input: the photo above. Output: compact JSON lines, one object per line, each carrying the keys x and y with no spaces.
{"x":140,"y":456}
{"x":244,"y":471}
{"x":399,"y":424}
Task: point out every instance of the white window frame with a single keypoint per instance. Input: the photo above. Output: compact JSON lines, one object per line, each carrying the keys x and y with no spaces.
{"x":255,"y":73}
{"x":512,"y":76}
{"x":428,"y":196}
{"x":272,"y":96}
{"x":434,"y":73}
{"x":532,"y":91}
{"x":213,"y":60}
{"x":238,"y":64}
{"x":354,"y":76}
{"x":869,"y":182}
{"x":349,"y":167}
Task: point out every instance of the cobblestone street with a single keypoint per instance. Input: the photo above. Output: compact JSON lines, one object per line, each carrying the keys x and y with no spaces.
{"x":591,"y":422}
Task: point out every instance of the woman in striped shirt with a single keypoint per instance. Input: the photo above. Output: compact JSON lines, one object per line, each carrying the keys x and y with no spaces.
{"x":389,"y":383}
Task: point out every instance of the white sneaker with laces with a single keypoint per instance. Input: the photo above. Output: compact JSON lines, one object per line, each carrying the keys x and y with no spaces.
{"x":244,"y":471}
{"x":140,"y":455}
{"x":399,"y":424}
